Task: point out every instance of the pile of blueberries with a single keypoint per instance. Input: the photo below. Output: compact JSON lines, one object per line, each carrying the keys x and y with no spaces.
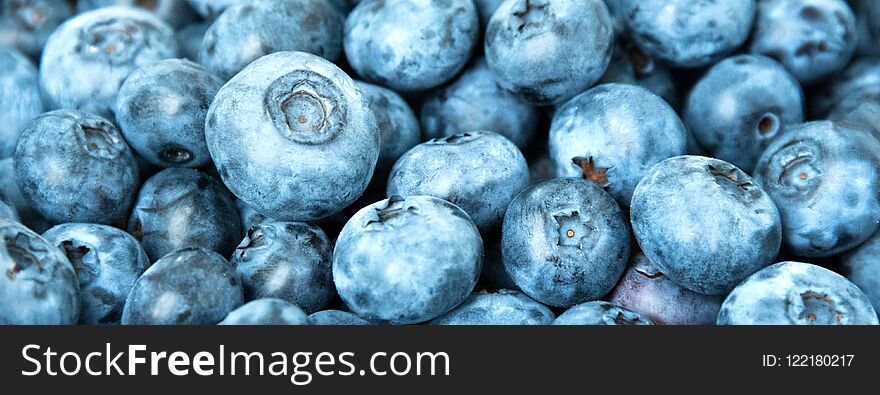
{"x":343,"y":162}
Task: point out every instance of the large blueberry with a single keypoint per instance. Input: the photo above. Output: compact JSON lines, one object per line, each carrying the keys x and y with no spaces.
{"x":107,"y":262}
{"x":293,"y":137}
{"x":37,"y":284}
{"x":179,"y":208}
{"x":704,"y":223}
{"x":500,"y":308}
{"x":825,"y":179}
{"x":600,"y":313}
{"x":739,"y":105}
{"x":410,"y":45}
{"x":266,"y":312}
{"x":336,"y":317}
{"x":811,"y":38}
{"x":645,"y":290}
{"x":475,"y":101}
{"x":289,"y":261}
{"x":612,"y":135}
{"x":565,"y":241}
{"x":631,"y":65}
{"x":251,"y":29}
{"x":20,"y":98}
{"x":861,"y":265}
{"x":27,"y":24}
{"x":689,"y":33}
{"x":191,"y":286}
{"x":75,"y":167}
{"x":407,"y":260}
{"x":87,"y":58}
{"x":161,"y":112}
{"x":398,"y":126}
{"x":548,"y":51}
{"x":794,"y":293}
{"x":481,"y":172}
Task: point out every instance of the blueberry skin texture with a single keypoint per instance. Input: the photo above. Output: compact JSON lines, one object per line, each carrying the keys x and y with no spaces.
{"x":19,"y":97}
{"x":266,"y":312}
{"x":179,"y":208}
{"x":825,"y":179}
{"x":88,"y":57}
{"x":190,"y":286}
{"x":564,"y":242}
{"x":293,"y":137}
{"x":410,"y":45}
{"x":500,"y":308}
{"x":612,"y":134}
{"x":290,"y":261}
{"x":475,"y":101}
{"x":811,"y":38}
{"x":549,"y":51}
{"x":10,"y":193}
{"x":336,"y":317}
{"x":795,"y":293}
{"x":600,"y":313}
{"x":645,"y":290}
{"x":704,"y":223}
{"x":107,"y":262}
{"x":481,"y":172}
{"x":251,"y":29}
{"x":407,"y":260}
{"x":631,"y":65}
{"x":739,"y":105}
{"x":7,"y":211}
{"x":161,"y":112}
{"x":39,"y":286}
{"x":75,"y":167}
{"x":27,"y":24}
{"x":398,"y":125}
{"x":689,"y":33}
{"x":861,"y":265}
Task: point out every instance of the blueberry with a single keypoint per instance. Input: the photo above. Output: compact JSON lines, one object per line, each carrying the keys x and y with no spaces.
{"x":631,"y":65}
{"x":481,"y":172}
{"x":407,"y":260}
{"x":859,"y":82}
{"x":811,"y":38}
{"x":739,"y":105}
{"x":179,"y":208}
{"x":250,"y":29}
{"x":398,"y":126}
{"x":565,"y":241}
{"x":475,"y":101}
{"x":794,"y":293}
{"x":612,"y":135}
{"x":189,"y":40}
{"x":292,"y":136}
{"x":336,"y":317}
{"x":644,"y":289}
{"x":689,"y":33}
{"x":500,"y":308}
{"x":38,"y":285}
{"x":704,"y":223}
{"x":27,"y":24}
{"x":210,"y":9}
{"x":191,"y":286}
{"x":161,"y":112}
{"x":600,"y":313}
{"x":410,"y":45}
{"x":825,"y":179}
{"x":19,"y":97}
{"x":289,"y":261}
{"x":266,"y":312}
{"x":861,"y":265}
{"x":87,"y":58}
{"x":549,"y":51}
{"x":75,"y":167}
{"x":7,"y":211}
{"x":12,"y":196}
{"x":107,"y":262}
